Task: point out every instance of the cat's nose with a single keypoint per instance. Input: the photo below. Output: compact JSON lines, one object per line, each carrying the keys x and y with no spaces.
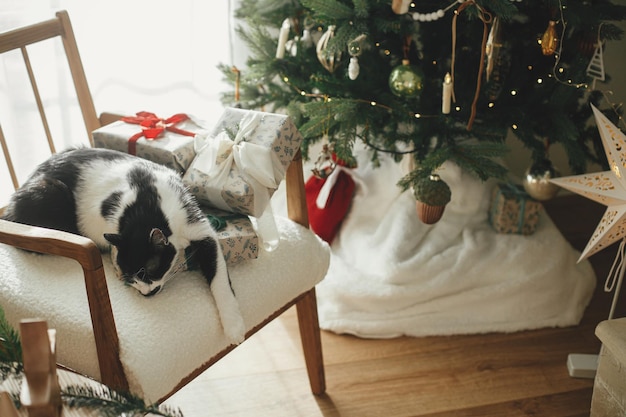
{"x":153,"y":292}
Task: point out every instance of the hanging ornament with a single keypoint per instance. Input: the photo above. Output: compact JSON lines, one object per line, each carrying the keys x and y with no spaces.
{"x":406,"y":81}
{"x":292,"y":46}
{"x":237,"y":72}
{"x":537,"y":180}
{"x":432,"y":195}
{"x":353,"y":68}
{"x":501,"y":68}
{"x":549,"y":40}
{"x":324,"y":164}
{"x":595,"y":69}
{"x":400,"y":6}
{"x":492,"y":49}
{"x":306,"y":39}
{"x":327,"y":59}
{"x":283,"y":36}
{"x":446,"y":100}
{"x":355,"y":49}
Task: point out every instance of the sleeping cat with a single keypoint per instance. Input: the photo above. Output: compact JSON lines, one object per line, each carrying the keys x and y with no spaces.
{"x":139,"y":209}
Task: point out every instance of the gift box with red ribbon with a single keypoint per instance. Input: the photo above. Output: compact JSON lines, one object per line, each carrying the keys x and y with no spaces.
{"x":167,"y":141}
{"x":240,"y":164}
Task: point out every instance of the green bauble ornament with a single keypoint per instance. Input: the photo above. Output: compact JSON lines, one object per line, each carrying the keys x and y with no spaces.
{"x":406,"y":80}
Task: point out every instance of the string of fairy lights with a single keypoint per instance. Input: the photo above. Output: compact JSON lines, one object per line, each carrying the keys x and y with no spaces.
{"x":556,"y":73}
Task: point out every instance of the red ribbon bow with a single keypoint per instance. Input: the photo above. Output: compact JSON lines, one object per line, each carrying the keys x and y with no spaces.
{"x":152,"y":127}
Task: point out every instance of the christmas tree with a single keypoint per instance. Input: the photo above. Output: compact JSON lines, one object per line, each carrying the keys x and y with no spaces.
{"x":437,"y":80}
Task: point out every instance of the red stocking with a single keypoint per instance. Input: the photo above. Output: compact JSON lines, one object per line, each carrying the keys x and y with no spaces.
{"x":325,"y":218}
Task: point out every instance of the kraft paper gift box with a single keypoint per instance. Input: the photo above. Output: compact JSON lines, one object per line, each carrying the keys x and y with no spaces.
{"x":513,"y":210}
{"x":240,"y":164}
{"x":166,"y":141}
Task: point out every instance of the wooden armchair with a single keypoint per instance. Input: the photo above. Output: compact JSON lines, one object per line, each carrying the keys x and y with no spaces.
{"x":151,"y":346}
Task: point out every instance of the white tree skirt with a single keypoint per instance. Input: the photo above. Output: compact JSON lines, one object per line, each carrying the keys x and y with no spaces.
{"x":392,"y":275}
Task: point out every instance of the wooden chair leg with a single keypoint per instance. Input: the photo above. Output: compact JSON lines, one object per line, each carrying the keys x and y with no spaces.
{"x":311,"y":341}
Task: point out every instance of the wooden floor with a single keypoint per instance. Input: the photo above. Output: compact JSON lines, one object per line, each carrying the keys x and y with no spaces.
{"x":519,"y":374}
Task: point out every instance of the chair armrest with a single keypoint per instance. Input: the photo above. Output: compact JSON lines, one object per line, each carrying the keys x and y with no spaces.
{"x":296,"y":196}
{"x":87,"y":254}
{"x":51,"y":242}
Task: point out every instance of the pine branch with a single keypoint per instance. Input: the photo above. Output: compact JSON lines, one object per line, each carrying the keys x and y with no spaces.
{"x":479,"y":159}
{"x":111,"y":403}
{"x":328,"y":9}
{"x":10,"y":349}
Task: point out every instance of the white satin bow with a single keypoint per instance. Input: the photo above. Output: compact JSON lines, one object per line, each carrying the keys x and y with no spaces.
{"x":258,"y":165}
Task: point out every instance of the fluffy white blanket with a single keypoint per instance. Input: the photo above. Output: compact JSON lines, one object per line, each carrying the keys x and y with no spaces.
{"x":392,"y":275}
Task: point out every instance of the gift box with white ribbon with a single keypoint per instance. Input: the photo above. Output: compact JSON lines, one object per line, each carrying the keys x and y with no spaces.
{"x":240,"y":164}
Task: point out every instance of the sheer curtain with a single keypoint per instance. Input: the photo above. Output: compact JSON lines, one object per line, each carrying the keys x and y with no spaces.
{"x":153,"y":55}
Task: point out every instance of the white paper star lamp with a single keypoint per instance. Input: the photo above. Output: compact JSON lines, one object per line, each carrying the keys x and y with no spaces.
{"x":607,"y":188}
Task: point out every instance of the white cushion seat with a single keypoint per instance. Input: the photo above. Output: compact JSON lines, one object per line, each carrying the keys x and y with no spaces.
{"x":180,"y":322}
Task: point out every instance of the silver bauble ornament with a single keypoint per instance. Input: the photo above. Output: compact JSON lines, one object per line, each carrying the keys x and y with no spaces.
{"x":537,"y":180}
{"x":406,"y":80}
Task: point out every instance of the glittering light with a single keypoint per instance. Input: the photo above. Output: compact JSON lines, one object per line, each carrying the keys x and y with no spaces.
{"x":530,"y":67}
{"x":561,"y":70}
{"x":513,"y":92}
{"x":373,"y":103}
{"x":490,"y":105}
{"x":539,"y":80}
{"x":457,"y":108}
{"x":286,"y":79}
{"x":417,"y":115}
{"x":387,"y":52}
{"x":302,"y":93}
{"x":514,"y":126}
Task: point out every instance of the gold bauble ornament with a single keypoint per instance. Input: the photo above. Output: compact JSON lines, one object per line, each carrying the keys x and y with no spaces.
{"x":537,"y":180}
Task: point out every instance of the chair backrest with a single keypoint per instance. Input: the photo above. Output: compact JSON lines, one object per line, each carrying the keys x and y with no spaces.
{"x":21,"y":39}
{"x":79,"y":248}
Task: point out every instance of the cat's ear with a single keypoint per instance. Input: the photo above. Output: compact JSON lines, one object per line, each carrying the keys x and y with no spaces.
{"x":113,"y":238}
{"x":158,"y":239}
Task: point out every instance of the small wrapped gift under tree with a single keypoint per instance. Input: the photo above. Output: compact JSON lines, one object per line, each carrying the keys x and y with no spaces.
{"x":513,"y":210}
{"x":166,"y":141}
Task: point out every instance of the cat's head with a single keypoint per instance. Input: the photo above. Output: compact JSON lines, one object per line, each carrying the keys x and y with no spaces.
{"x":143,"y":260}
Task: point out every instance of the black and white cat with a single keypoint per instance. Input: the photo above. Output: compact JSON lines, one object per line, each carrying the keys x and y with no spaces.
{"x":139,"y":209}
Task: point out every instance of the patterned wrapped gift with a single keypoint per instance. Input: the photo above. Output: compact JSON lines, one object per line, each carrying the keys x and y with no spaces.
{"x":241,"y":163}
{"x":513,"y":210}
{"x":167,"y":141}
{"x":236,"y":234}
